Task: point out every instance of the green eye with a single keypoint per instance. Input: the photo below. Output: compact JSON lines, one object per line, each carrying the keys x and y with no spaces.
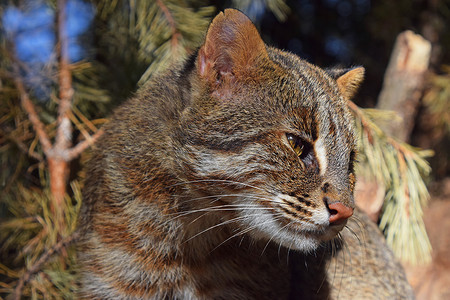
{"x":296,"y":143}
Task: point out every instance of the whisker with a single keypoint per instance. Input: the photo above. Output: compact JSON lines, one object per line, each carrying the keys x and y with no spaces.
{"x":215,"y":226}
{"x":324,"y":252}
{"x":220,"y":224}
{"x":273,"y":235}
{"x":343,"y":268}
{"x":254,"y":207}
{"x":243,"y":232}
{"x":353,"y":233}
{"x":279,"y":249}
{"x":220,"y":196}
{"x":363,"y":232}
{"x":345,"y":246}
{"x":223,"y":181}
{"x":334,"y":273}
{"x":225,"y":207}
{"x":288,"y":253}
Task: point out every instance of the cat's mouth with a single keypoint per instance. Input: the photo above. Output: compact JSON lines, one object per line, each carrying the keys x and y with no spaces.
{"x":309,"y":239}
{"x":333,"y":230}
{"x":323,"y":233}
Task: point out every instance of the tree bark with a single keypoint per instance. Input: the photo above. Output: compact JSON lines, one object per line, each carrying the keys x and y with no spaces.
{"x":59,"y":174}
{"x":404,"y":81}
{"x":402,"y":90}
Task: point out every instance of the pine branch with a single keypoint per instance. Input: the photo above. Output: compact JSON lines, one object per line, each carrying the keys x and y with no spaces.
{"x":401,"y":169}
{"x":173,"y":27}
{"x":36,"y":267}
{"x":8,"y":134}
{"x":74,"y":152}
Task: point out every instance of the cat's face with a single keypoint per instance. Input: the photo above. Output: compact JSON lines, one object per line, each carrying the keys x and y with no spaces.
{"x":271,"y":145}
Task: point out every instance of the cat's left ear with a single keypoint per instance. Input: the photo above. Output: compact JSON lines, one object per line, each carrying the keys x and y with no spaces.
{"x":232,"y":48}
{"x":348,"y":80}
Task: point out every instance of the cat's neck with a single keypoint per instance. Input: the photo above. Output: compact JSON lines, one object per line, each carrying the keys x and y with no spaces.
{"x":208,"y":239}
{"x":207,"y":230}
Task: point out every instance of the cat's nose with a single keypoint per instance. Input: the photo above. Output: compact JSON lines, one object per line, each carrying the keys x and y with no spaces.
{"x":339,"y":212}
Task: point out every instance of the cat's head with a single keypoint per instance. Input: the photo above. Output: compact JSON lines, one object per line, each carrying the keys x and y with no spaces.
{"x":268,"y":137}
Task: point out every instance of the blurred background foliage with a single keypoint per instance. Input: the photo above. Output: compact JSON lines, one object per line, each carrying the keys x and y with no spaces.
{"x":115,"y":46}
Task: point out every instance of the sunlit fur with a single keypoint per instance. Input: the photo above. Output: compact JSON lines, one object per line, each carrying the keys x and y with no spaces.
{"x":194,"y":192}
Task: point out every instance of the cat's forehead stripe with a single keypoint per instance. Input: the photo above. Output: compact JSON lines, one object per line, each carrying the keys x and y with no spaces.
{"x":321,"y":154}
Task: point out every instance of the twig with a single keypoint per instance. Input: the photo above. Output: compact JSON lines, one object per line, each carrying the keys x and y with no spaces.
{"x":29,"y":107}
{"x":24,"y":148}
{"x":83,"y":145}
{"x":62,"y":244}
{"x":401,"y":149}
{"x":27,"y":104}
{"x":353,"y":107}
{"x":173,"y":26}
{"x":7,"y":132}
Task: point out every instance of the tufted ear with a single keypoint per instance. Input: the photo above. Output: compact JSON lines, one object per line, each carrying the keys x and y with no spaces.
{"x":348,"y":80}
{"x":232,"y":47}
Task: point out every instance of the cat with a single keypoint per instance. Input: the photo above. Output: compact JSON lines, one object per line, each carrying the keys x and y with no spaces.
{"x":231,"y":177}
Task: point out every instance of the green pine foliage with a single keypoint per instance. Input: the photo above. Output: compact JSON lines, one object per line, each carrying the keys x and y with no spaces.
{"x":401,"y":169}
{"x":437,"y":100}
{"x":45,"y":264}
{"x":140,"y":38}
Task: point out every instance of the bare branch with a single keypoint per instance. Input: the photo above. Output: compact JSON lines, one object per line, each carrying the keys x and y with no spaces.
{"x":83,"y":145}
{"x":58,"y":247}
{"x":63,"y":139}
{"x":29,"y":107}
{"x":169,"y":17}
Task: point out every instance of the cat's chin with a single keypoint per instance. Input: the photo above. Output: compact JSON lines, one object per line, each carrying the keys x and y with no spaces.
{"x":305,"y":244}
{"x":310,"y":242}
{"x":301,"y":236}
{"x":307,"y":241}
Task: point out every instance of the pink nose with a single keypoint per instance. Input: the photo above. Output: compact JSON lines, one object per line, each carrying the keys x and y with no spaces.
{"x":339,"y":212}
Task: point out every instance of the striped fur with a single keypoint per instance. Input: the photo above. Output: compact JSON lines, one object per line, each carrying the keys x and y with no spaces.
{"x":194,"y":192}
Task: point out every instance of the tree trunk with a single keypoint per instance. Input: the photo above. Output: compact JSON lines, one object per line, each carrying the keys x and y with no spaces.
{"x":404,"y":81}
{"x":402,"y":90}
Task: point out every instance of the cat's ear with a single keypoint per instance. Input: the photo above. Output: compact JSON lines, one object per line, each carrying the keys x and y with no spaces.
{"x":232,"y":47}
{"x":348,"y":80}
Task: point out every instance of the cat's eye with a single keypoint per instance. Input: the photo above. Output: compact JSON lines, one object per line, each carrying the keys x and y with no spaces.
{"x":296,"y":143}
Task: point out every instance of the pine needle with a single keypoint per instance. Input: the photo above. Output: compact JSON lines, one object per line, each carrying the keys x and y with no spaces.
{"x":402,"y":170}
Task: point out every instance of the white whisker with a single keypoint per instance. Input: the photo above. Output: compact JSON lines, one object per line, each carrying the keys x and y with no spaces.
{"x":218,"y":225}
{"x":250,"y":228}
{"x":273,"y":235}
{"x":231,"y":182}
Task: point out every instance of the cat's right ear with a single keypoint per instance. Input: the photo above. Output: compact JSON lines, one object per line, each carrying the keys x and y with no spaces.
{"x":348,"y":80}
{"x":231,"y":49}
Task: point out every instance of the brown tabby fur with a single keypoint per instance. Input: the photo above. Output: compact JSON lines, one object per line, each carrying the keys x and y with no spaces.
{"x":194,"y":191}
